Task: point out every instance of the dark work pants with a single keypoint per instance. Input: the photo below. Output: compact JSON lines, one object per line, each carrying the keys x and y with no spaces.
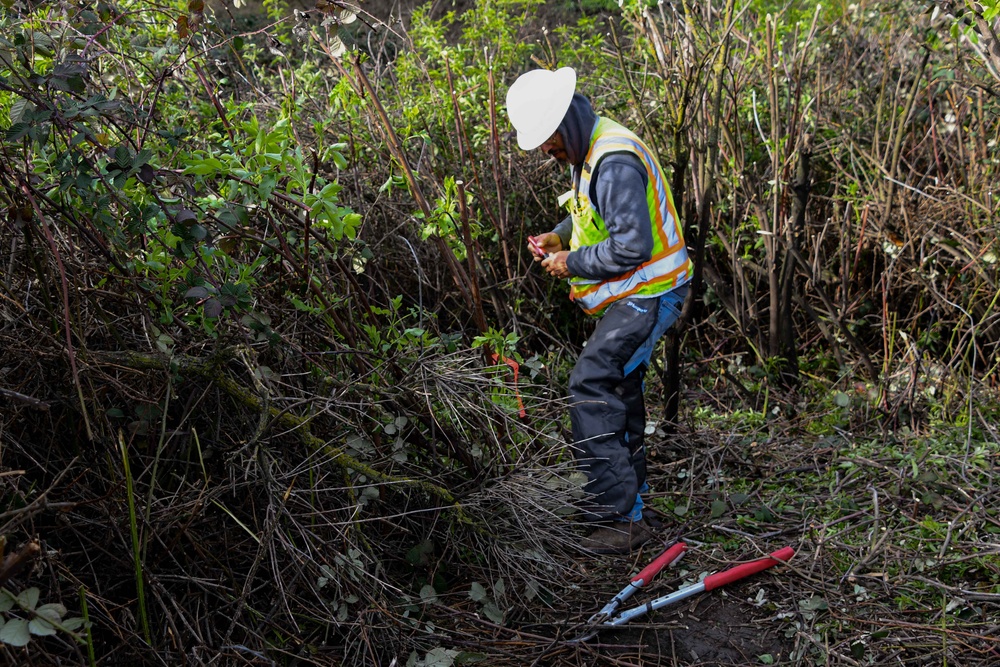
{"x":608,"y":413}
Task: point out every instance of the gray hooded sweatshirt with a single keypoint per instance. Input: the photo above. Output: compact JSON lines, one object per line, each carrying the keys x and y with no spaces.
{"x":618,"y":190}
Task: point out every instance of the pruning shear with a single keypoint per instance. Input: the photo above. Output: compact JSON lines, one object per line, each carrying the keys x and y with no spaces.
{"x":537,"y":248}
{"x":605,"y":618}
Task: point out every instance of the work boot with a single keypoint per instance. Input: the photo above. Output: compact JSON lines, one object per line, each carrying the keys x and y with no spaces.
{"x":651,"y":519}
{"x":618,"y":537}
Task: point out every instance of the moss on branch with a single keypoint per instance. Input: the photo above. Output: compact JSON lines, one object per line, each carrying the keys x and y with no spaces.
{"x":211,"y":369}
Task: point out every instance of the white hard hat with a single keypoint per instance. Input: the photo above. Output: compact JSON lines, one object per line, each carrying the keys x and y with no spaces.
{"x":537,"y":103}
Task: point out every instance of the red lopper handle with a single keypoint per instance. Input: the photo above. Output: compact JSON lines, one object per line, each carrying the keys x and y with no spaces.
{"x":664,"y":559}
{"x":713,"y":581}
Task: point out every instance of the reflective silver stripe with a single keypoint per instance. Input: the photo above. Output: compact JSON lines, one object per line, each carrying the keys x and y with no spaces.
{"x":646,"y":274}
{"x":608,"y":143}
{"x":672,"y":268}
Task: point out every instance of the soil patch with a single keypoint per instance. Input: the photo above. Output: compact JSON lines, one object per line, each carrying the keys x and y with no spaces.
{"x":720,"y":629}
{"x":712,"y":629}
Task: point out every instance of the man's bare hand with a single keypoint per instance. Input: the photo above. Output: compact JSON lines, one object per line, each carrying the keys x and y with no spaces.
{"x":555,"y":264}
{"x":548,"y":242}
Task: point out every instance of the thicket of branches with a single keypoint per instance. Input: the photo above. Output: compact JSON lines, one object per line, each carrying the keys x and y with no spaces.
{"x":264,"y":289}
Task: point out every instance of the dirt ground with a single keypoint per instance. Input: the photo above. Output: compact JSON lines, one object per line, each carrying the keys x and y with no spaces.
{"x":720,"y":628}
{"x":711,"y":629}
{"x":707,"y":630}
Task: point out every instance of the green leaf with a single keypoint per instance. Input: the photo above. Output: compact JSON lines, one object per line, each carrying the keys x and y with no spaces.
{"x":421,"y":553}
{"x":204,"y":167}
{"x":42,"y":42}
{"x":198,"y":232}
{"x":17,"y":110}
{"x":766,"y":659}
{"x":15,"y":632}
{"x":680,"y":510}
{"x":212,"y":308}
{"x":764,"y":513}
{"x":6,"y":601}
{"x":718,"y":508}
{"x":164,"y":343}
{"x":321,"y":582}
{"x":428,"y":594}
{"x":72,"y":624}
{"x":440,"y":657}
{"x":493,"y":612}
{"x":531,"y":589}
{"x":41,"y":627}
{"x":69,"y":75}
{"x":351,"y":222}
{"x":841,"y":399}
{"x":477,"y":592}
{"x":28,"y":598}
{"x":52,"y":610}
{"x":17,"y":131}
{"x":927,"y":476}
{"x":123,"y":157}
{"x":814,"y":603}
{"x":936,"y":500}
{"x":266,"y":186}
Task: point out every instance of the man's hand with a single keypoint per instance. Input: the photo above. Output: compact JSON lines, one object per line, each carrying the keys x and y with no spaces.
{"x":548,"y":242}
{"x":555,"y":264}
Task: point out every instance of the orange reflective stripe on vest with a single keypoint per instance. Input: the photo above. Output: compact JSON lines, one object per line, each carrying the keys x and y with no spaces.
{"x":668,"y":266}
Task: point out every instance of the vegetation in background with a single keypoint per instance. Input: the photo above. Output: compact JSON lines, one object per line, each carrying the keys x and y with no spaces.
{"x":268,"y":325}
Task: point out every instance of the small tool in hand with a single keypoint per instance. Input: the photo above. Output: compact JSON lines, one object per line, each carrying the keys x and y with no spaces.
{"x":537,"y":248}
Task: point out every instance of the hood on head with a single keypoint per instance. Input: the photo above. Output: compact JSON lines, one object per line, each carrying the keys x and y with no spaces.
{"x":576,"y":128}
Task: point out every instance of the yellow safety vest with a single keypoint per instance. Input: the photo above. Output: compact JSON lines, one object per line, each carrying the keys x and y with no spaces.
{"x":669,"y":265}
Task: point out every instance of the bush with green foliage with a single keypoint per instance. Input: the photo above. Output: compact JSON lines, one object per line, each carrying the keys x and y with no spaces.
{"x":258,"y":275}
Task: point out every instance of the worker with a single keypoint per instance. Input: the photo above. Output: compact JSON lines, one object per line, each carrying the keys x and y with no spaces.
{"x":623,"y":252}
